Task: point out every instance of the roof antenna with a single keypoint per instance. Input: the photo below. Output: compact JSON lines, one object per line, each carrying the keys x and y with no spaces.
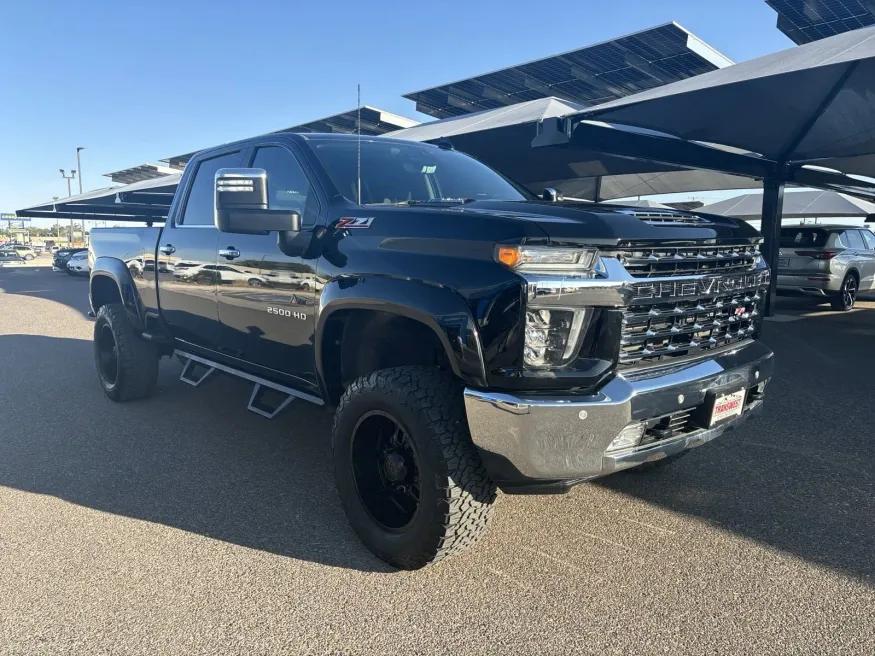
{"x":358,"y":129}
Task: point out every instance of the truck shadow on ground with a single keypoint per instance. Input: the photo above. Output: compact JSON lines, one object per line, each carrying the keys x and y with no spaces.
{"x":801,"y":478}
{"x":193,"y":459}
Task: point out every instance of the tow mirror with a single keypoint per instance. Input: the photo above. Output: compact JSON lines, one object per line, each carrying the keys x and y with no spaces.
{"x":242,"y":204}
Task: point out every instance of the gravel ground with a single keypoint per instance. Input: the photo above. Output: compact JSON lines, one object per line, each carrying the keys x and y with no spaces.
{"x":185,"y":524}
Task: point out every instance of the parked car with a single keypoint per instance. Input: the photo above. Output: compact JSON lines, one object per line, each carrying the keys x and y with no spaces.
{"x":39,"y":249}
{"x":9,"y":257}
{"x":78,"y":265}
{"x":59,"y":262}
{"x":833,"y":262}
{"x":221,"y":274}
{"x":25,"y":252}
{"x":307,"y":284}
{"x":482,"y":339}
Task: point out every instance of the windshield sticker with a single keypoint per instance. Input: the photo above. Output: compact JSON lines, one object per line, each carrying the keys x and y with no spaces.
{"x":355,"y":222}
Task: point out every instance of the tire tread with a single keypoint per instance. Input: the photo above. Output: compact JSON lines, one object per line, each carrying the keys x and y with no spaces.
{"x":466,"y":491}
{"x":138,"y":360}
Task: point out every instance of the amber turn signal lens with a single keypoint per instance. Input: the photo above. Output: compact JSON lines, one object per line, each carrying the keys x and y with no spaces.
{"x":509,"y":256}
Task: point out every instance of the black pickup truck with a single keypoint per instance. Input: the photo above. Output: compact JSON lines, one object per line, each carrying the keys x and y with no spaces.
{"x":468,"y":335}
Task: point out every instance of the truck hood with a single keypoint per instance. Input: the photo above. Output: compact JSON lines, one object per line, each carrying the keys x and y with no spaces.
{"x":608,"y":225}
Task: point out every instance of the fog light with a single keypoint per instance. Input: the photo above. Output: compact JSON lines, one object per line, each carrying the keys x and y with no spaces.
{"x":552,"y":336}
{"x":629,"y":437}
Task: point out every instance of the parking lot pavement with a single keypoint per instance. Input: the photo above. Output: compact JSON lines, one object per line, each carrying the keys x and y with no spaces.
{"x":185,"y":524}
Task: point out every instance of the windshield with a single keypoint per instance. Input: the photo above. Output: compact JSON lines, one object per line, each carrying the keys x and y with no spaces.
{"x":396,"y":173}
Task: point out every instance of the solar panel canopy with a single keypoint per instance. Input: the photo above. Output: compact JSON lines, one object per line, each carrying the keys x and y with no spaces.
{"x":591,"y":75}
{"x":804,"y":21}
{"x":139,"y":173}
{"x":374,"y":123}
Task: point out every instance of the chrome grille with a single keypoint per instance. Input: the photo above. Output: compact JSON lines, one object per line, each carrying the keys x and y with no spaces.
{"x":659,"y":261}
{"x":656,"y":332}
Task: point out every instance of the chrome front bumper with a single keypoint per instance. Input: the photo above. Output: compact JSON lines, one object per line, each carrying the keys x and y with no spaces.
{"x":526,"y":439}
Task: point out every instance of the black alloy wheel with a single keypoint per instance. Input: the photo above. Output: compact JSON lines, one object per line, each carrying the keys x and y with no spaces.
{"x":847,"y":295}
{"x":407,"y":472}
{"x":107,"y":355}
{"x":385,"y":470}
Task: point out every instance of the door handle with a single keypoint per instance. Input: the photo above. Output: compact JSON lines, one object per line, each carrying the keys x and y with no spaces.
{"x":167,"y":249}
{"x":229,"y":253}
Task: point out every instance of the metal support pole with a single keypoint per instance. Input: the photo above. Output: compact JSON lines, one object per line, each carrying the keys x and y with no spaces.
{"x":773,"y":209}
{"x":79,"y":168}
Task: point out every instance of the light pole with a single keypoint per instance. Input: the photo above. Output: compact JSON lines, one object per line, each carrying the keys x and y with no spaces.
{"x":79,"y":165}
{"x":57,"y":222}
{"x":69,"y":193}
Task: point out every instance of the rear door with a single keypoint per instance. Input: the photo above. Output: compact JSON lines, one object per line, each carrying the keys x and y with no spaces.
{"x":188,"y":296}
{"x":867,"y":256}
{"x":268,"y":293}
{"x":854,"y":256}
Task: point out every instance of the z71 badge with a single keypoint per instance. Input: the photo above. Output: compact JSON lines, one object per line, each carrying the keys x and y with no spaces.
{"x":355,"y":222}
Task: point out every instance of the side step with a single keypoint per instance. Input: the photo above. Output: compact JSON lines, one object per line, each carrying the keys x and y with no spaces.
{"x":197,"y":369}
{"x":258,"y":406}
{"x":189,"y":372}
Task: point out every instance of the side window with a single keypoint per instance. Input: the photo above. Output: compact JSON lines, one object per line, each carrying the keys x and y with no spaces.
{"x":287,"y":185}
{"x":869,"y":238}
{"x":854,"y":239}
{"x":200,"y":206}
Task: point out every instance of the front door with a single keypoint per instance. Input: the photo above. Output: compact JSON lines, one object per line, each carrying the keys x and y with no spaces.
{"x":187,"y":259}
{"x":267,"y":288}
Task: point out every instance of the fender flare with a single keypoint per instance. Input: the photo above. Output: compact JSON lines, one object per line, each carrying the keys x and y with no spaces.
{"x":438,"y":308}
{"x":115,"y":270}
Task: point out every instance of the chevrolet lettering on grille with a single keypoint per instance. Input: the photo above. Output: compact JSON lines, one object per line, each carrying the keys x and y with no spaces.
{"x":705,"y":286}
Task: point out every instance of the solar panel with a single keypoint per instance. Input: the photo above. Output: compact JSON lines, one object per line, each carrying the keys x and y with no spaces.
{"x":374,"y":122}
{"x":139,"y":173}
{"x":804,"y":21}
{"x":593,"y":74}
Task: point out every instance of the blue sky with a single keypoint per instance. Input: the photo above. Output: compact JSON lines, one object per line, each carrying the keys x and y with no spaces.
{"x":134,"y":82}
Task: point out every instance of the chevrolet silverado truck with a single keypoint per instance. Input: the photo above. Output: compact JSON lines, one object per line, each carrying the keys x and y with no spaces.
{"x":468,"y":335}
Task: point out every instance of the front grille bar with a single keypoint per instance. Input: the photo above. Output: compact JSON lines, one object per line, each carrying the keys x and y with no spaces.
{"x":657,"y":260}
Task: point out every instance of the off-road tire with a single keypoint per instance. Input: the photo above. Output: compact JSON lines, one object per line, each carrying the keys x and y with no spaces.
{"x":456,"y":493}
{"x":840,"y":300}
{"x":658,"y":464}
{"x":137,"y":359}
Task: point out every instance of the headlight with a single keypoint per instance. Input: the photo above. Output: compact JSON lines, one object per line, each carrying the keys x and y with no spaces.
{"x":546,"y":258}
{"x":551,"y":336}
